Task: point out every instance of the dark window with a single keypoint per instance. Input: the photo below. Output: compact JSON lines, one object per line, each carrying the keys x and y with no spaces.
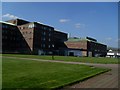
{"x":30,"y":32}
{"x":14,"y":22}
{"x":30,"y":38}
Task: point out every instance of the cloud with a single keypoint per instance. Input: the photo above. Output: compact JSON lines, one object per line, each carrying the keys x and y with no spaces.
{"x":78,"y":25}
{"x":64,"y":20}
{"x":109,"y":39}
{"x":8,"y":17}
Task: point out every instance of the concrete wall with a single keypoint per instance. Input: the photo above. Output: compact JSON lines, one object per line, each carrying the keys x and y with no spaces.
{"x":74,"y":52}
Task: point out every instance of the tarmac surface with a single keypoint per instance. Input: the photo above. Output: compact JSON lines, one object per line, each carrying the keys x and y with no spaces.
{"x":105,"y":80}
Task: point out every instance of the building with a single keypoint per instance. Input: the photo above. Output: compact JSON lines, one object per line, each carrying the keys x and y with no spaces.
{"x":39,"y":37}
{"x":85,"y":47}
{"x":21,"y":36}
{"x":59,"y":45}
{"x":18,"y":22}
{"x":12,"y":39}
{"x":113,"y":52}
{"x":30,"y":37}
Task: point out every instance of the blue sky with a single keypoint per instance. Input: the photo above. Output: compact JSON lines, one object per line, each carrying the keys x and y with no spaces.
{"x":80,"y":19}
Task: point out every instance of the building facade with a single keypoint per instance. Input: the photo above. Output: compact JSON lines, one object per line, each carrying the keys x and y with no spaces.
{"x":59,"y":45}
{"x":12,"y":39}
{"x":30,"y":37}
{"x":20,"y":36}
{"x":87,"y":47}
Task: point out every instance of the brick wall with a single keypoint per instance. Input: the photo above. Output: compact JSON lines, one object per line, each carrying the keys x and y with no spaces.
{"x":77,"y":45}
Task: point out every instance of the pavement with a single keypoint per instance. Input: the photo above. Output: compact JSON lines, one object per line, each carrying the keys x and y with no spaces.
{"x":105,"y":80}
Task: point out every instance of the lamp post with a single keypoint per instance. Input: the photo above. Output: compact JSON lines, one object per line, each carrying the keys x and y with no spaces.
{"x":52,"y":51}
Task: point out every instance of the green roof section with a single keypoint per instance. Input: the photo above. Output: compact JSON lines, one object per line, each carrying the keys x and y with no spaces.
{"x":7,"y":23}
{"x":77,"y":39}
{"x":74,"y":39}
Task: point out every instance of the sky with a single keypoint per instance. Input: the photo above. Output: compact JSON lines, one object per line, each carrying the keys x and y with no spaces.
{"x":98,"y":20}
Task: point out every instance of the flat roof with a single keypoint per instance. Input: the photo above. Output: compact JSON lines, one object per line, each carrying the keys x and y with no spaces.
{"x":7,"y":23}
{"x":44,"y":24}
{"x":81,"y":39}
{"x":60,"y":31}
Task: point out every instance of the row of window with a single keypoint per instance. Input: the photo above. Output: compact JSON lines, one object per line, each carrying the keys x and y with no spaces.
{"x":43,"y":39}
{"x":6,"y":27}
{"x":44,"y":33}
{"x":8,"y":32}
{"x":33,"y":26}
{"x":43,"y":46}
{"x":28,"y":38}
{"x":5,"y":37}
{"x":45,"y":28}
{"x":26,"y":32}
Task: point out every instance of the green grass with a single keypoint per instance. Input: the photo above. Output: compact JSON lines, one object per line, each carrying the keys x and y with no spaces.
{"x":102,"y":60}
{"x":18,"y":73}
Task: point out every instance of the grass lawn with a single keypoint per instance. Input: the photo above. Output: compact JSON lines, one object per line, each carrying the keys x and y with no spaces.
{"x":18,"y":73}
{"x":101,"y":60}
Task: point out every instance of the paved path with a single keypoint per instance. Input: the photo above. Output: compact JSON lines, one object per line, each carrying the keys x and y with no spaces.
{"x":106,"y":80}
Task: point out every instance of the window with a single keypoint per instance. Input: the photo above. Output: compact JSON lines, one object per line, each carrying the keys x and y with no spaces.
{"x":44,"y":38}
{"x":14,"y":22}
{"x":50,"y":29}
{"x":44,"y":45}
{"x":4,"y":26}
{"x":21,"y":27}
{"x":30,"y":32}
{"x":42,"y":27}
{"x":31,"y":26}
{"x":49,"y":39}
{"x":48,"y":46}
{"x":44,"y":33}
{"x":45,"y":28}
{"x":30,"y":38}
{"x":49,"y":34}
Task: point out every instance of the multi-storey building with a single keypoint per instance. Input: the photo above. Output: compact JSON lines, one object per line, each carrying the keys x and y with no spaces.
{"x":85,"y":47}
{"x":59,"y":45}
{"x":12,"y":39}
{"x":20,"y":36}
{"x":33,"y":38}
{"x":39,"y":37}
{"x":18,"y":21}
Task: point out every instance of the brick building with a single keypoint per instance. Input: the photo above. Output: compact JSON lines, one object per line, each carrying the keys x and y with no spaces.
{"x":12,"y":39}
{"x":21,"y":36}
{"x":29,"y":37}
{"x":86,"y":47}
